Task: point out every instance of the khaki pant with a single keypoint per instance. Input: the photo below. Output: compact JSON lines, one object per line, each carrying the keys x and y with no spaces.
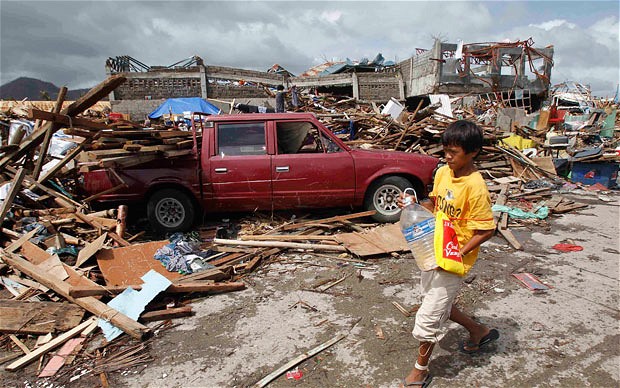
{"x":438,"y":289}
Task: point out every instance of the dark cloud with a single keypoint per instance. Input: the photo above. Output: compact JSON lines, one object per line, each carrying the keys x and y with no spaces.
{"x":68,"y":42}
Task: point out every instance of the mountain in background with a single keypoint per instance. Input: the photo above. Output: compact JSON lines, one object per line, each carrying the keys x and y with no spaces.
{"x":35,"y":90}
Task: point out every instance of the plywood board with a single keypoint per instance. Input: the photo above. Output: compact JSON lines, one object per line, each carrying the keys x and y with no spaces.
{"x":384,"y":239}
{"x":38,"y":317}
{"x":125,"y":266}
{"x":546,"y":163}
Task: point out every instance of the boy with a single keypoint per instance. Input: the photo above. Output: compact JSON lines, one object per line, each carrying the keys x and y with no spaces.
{"x":459,"y":191}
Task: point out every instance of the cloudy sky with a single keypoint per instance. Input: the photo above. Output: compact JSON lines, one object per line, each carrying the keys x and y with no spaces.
{"x":67,"y":42}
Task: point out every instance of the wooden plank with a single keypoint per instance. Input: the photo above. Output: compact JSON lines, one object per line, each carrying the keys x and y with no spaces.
{"x":215,"y":274}
{"x":20,"y":241}
{"x":328,"y":220}
{"x":48,"y":133}
{"x":176,"y":288}
{"x":19,"y":343}
{"x":169,"y":134}
{"x":99,"y":309}
{"x":567,"y":208}
{"x":79,"y":122}
{"x":285,"y":237}
{"x":15,"y":187}
{"x":127,"y":161}
{"x":554,"y":201}
{"x":177,"y":153}
{"x":171,"y":313}
{"x":511,"y":239}
{"x":24,"y":317}
{"x":280,"y":244}
{"x":90,"y":249}
{"x":49,"y":346}
{"x":33,"y":253}
{"x":526,"y":193}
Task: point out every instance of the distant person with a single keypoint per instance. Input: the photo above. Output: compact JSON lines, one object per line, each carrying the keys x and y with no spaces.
{"x":280,"y":99}
{"x":294,"y":97}
{"x":459,"y":191}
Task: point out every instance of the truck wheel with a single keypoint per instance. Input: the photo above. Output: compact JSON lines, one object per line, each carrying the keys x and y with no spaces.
{"x":170,"y":210}
{"x":382,"y":196}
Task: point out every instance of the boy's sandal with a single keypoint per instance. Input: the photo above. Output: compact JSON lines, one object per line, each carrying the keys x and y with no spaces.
{"x":423,"y":384}
{"x":471,"y":348}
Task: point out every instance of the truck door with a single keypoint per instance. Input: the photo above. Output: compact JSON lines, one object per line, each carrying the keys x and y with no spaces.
{"x":240,"y":169}
{"x":310,"y":169}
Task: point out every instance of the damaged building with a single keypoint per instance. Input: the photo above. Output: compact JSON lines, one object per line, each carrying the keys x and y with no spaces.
{"x":147,"y":85}
{"x":516,"y":73}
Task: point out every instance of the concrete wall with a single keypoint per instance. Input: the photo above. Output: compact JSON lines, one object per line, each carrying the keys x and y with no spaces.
{"x":380,"y":86}
{"x":136,"y":109}
{"x":228,"y":92}
{"x":420,"y":73}
{"x":160,"y":84}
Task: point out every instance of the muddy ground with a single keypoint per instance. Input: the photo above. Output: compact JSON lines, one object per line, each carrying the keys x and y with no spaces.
{"x":568,"y":336}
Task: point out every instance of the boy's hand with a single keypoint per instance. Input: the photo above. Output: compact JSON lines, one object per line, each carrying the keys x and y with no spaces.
{"x":401,"y":202}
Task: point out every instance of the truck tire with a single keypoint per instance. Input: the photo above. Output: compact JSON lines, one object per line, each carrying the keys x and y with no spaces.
{"x":170,"y":210}
{"x":382,"y":195}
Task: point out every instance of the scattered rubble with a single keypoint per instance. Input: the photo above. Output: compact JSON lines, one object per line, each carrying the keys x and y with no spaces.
{"x":62,"y":261}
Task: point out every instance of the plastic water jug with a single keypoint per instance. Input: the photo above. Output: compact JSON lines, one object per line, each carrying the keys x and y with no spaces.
{"x":418,"y":227}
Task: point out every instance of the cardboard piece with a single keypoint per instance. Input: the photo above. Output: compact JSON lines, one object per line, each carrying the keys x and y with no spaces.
{"x":384,"y":239}
{"x":132,"y":302}
{"x":124,"y":266}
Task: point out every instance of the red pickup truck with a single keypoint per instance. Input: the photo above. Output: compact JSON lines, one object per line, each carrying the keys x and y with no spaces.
{"x":252,"y":162}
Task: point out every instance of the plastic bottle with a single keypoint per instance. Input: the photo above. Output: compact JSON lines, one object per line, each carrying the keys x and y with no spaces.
{"x":418,"y":227}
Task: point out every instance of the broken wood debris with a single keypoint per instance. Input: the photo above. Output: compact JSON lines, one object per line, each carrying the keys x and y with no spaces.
{"x":64,"y":220}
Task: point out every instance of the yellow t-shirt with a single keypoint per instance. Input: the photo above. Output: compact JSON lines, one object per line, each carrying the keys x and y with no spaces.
{"x":467,"y":202}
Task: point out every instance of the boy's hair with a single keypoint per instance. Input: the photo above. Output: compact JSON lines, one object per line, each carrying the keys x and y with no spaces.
{"x":465,"y":134}
{"x":280,"y":87}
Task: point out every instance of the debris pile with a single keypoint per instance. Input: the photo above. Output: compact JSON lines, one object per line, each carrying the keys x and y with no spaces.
{"x":67,"y":269}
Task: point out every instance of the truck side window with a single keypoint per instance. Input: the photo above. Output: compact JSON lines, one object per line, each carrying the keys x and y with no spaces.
{"x":329,"y":145}
{"x":302,"y":138}
{"x":241,"y":139}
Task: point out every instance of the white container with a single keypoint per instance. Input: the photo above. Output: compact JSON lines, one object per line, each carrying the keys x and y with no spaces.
{"x":418,"y":226}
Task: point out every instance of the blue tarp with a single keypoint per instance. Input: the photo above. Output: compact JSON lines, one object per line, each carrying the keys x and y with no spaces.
{"x":179,"y":105}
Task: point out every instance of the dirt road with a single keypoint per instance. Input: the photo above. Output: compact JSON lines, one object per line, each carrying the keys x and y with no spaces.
{"x":568,"y":336}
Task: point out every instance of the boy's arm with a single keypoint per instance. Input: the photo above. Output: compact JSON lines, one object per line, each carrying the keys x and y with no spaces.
{"x":429,"y":204}
{"x":477,"y":239}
